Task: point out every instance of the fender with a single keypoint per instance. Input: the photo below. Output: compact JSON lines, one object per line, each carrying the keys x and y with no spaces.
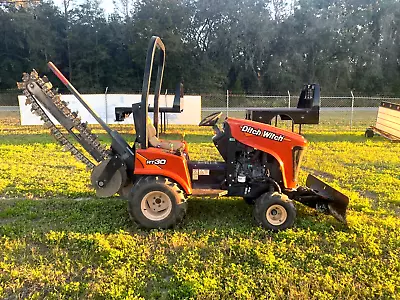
{"x":156,"y":161}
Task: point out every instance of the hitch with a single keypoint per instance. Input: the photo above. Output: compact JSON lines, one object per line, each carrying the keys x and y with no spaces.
{"x":319,"y":195}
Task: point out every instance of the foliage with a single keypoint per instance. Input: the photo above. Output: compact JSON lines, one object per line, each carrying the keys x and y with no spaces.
{"x":58,"y":241}
{"x":254,"y":46}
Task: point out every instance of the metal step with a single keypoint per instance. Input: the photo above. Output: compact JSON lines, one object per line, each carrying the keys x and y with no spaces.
{"x":208,"y":193}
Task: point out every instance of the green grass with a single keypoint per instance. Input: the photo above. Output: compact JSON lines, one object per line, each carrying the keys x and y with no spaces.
{"x":59,"y":241}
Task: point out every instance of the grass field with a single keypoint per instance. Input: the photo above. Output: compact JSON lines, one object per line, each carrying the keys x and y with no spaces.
{"x":58,"y":241}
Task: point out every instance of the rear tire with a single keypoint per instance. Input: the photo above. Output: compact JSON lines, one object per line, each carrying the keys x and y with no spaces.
{"x":156,"y":202}
{"x":125,"y":191}
{"x":369,"y":133}
{"x":274,"y":211}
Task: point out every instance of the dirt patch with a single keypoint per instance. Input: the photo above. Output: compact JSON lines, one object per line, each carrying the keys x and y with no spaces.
{"x":369,"y":195}
{"x":319,"y":173}
{"x":6,"y":221}
{"x":376,"y":204}
{"x":9,"y":118}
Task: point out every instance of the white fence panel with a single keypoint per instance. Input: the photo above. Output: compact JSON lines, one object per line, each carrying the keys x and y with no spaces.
{"x":191,"y":114}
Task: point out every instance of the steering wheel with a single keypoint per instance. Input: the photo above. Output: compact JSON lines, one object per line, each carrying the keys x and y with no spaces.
{"x":211,"y":120}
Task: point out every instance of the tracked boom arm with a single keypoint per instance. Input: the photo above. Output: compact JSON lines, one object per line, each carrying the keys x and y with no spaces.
{"x":119,"y":146}
{"x":115,"y":164}
{"x":39,"y":94}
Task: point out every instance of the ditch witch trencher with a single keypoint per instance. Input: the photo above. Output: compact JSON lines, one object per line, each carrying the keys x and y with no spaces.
{"x":260,"y":163}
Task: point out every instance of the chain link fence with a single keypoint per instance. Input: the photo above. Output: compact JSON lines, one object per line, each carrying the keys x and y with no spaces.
{"x":350,"y":112}
{"x":9,"y":99}
{"x":346,"y":112}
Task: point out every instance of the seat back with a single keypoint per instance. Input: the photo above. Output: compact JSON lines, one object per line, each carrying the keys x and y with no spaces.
{"x":152,"y":133}
{"x":150,"y":129}
{"x":137,"y":120}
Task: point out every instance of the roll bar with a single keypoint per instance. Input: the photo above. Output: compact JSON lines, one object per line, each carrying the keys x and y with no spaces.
{"x":155,"y":42}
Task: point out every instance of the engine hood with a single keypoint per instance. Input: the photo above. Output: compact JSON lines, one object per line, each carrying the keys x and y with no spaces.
{"x":275,"y":141}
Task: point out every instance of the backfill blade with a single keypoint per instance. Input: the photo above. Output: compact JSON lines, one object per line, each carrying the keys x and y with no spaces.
{"x":337,"y":202}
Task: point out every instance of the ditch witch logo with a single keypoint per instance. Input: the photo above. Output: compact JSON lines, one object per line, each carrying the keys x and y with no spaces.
{"x":263,"y":133}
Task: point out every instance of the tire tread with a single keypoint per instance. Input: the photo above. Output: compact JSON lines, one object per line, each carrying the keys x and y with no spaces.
{"x":180,"y":206}
{"x":259,"y":209}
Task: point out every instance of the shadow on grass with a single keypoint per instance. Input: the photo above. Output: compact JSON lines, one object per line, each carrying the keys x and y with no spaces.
{"x":21,"y":217}
{"x":46,"y":138}
{"x":339,"y":137}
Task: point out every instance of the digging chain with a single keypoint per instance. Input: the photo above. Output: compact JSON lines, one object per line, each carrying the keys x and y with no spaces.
{"x":84,"y":132}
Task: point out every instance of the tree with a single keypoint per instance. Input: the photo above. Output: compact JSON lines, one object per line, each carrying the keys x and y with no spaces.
{"x":89,"y":45}
{"x":250,"y":45}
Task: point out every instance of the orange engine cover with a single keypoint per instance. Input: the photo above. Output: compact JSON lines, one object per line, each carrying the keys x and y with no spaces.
{"x":275,"y":141}
{"x":156,"y":161}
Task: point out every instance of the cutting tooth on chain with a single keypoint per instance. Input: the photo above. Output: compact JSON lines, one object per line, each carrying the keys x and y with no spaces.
{"x":49,"y":93}
{"x":47,"y":124}
{"x":67,"y":147}
{"x":34,"y":75}
{"x":45,"y":79}
{"x":40,"y":82}
{"x":25,"y":78}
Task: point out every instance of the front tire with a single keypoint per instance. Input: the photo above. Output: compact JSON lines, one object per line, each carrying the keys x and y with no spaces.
{"x":156,"y":202}
{"x":249,"y":200}
{"x":274,"y":211}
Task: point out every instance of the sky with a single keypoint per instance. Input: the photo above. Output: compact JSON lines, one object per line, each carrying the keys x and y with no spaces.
{"x":107,"y":5}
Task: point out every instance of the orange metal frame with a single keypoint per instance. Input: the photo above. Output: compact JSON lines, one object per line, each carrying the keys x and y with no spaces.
{"x":275,"y":141}
{"x":156,"y":161}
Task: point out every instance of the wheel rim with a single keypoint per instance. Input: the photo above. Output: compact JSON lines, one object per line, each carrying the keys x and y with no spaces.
{"x":156,"y":205}
{"x":276,"y":214}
